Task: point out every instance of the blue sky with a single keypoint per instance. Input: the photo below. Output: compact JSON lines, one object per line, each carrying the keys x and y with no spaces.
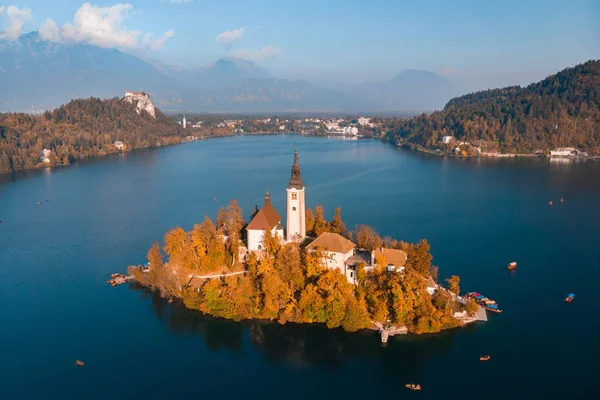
{"x":477,"y":43}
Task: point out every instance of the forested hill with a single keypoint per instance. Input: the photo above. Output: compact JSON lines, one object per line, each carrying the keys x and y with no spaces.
{"x":80,"y":129}
{"x":563,"y":110}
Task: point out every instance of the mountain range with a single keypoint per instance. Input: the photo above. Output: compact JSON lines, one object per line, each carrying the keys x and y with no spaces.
{"x":36,"y":74}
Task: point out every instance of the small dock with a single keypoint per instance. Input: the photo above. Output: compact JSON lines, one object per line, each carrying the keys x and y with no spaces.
{"x":119,"y":279}
{"x":386,"y":332}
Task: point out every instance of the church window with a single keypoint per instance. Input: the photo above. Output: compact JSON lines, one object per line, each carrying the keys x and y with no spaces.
{"x":294,"y":196}
{"x":293,"y":208}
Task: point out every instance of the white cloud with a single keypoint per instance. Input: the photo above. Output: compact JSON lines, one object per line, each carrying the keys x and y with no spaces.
{"x":265,"y":53}
{"x":227,"y":38}
{"x":103,"y":27}
{"x":16,"y":20}
{"x":180,"y":1}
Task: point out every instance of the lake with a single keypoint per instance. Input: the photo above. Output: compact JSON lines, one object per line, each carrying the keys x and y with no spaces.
{"x":478,"y":215}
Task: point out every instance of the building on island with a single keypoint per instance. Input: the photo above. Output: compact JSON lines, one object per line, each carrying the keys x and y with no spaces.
{"x":296,"y":204}
{"x":395,"y":259}
{"x":336,"y":250}
{"x":119,"y":145}
{"x":266,"y":219}
{"x":447,"y":139}
{"x":339,"y":253}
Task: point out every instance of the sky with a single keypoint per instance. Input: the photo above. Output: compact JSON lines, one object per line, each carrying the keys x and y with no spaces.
{"x":478,"y":44}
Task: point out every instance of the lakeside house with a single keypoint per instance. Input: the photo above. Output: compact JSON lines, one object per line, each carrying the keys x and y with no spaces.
{"x":119,"y":145}
{"x":563,"y":152}
{"x":447,"y":139}
{"x":46,"y":156}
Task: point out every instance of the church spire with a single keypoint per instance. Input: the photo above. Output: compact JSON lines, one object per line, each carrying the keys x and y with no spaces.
{"x":296,"y":181}
{"x":267,"y":198}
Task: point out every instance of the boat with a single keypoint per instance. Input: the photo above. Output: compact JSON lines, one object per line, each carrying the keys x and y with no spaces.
{"x":550,"y":203}
{"x":493,"y":308}
{"x":512,"y":266}
{"x":570,"y":297}
{"x":485,"y":358}
{"x":79,"y":363}
{"x":412,"y":386}
{"x":562,"y":200}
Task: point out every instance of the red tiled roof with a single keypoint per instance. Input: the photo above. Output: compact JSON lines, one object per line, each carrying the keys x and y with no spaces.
{"x":267,"y":218}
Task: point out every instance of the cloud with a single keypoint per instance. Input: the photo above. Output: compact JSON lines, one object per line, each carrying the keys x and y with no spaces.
{"x":447,"y":71}
{"x":16,"y":20}
{"x":227,"y":38}
{"x":181,"y":1}
{"x":103,"y":27}
{"x":265,"y":53}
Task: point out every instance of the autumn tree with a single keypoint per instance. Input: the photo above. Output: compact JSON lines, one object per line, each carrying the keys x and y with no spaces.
{"x":320,"y":222}
{"x":337,"y":225}
{"x":453,"y":284}
{"x":367,"y":238}
{"x":419,"y":257}
{"x":310,"y":220}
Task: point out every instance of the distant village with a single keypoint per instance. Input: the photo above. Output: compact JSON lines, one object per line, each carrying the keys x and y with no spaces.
{"x":349,"y":127}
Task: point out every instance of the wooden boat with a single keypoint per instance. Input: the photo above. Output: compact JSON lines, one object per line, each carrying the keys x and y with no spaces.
{"x":562,"y":200}
{"x":79,"y":363}
{"x":511,"y":266}
{"x":485,"y":358}
{"x":550,"y":203}
{"x":570,"y":297}
{"x":412,"y":386}
{"x":493,"y":309}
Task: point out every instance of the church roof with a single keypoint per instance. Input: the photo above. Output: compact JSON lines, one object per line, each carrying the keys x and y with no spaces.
{"x":266,"y":219}
{"x":392,"y":256}
{"x":332,"y":242}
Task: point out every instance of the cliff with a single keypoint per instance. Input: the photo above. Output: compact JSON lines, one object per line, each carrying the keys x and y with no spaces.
{"x":142,"y":102}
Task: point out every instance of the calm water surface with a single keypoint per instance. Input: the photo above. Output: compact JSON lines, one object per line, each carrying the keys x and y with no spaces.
{"x":103,"y":215}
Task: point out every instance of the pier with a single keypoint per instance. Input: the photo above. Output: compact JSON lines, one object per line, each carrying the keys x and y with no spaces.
{"x":119,"y":279}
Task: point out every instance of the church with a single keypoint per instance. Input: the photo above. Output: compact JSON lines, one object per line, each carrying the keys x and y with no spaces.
{"x":268,"y":219}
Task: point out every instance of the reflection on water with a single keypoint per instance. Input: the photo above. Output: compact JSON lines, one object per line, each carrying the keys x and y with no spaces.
{"x":302,"y":345}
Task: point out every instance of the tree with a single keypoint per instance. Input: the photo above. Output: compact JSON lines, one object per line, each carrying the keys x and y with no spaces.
{"x":367,"y":238}
{"x":419,"y":258}
{"x":310,"y":220}
{"x":337,"y":225}
{"x":320,"y":223}
{"x":174,"y":242}
{"x":453,"y":284}
{"x":471,"y":307}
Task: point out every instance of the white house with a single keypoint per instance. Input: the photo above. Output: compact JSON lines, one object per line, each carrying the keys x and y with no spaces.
{"x":119,"y":145}
{"x":336,"y":250}
{"x":46,"y":155}
{"x":563,"y":152}
{"x":364,"y":121}
{"x":447,"y":139}
{"x":395,"y":259}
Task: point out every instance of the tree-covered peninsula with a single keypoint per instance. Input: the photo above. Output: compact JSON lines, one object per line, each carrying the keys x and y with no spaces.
{"x":80,"y":129}
{"x":289,"y":282}
{"x":563,"y":110}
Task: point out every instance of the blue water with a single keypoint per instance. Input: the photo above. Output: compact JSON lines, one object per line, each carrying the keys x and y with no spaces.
{"x":104,"y":214}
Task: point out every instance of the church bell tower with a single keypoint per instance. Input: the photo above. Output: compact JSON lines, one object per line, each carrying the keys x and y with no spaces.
{"x":296,"y":223}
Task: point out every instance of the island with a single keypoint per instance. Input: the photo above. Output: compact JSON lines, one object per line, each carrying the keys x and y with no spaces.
{"x":310,"y":271}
